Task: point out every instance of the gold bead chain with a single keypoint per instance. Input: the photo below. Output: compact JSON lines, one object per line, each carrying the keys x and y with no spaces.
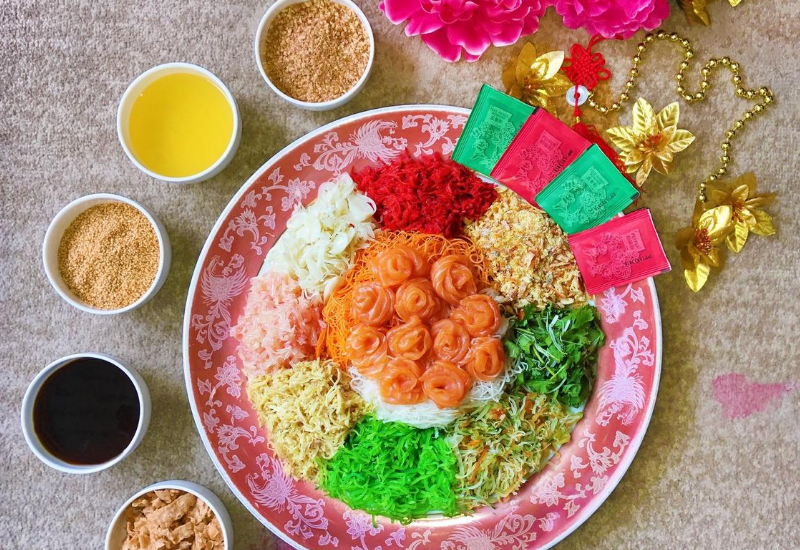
{"x":753,"y":95}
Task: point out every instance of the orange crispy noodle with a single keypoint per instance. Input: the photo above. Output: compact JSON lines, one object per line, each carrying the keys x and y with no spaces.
{"x":337,"y":312}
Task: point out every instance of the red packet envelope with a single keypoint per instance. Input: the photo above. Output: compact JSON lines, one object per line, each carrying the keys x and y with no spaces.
{"x":620,"y":251}
{"x":541,"y":150}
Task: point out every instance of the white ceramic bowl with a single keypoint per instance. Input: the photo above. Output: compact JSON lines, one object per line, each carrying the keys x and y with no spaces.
{"x":145,"y":407}
{"x":263,"y":26}
{"x":52,"y":240}
{"x":117,"y":530}
{"x":136,"y":88}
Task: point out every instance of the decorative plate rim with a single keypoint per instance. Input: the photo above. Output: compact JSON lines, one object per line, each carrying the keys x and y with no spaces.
{"x":579,"y":519}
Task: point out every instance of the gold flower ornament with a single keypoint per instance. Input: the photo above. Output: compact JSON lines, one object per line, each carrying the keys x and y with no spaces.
{"x":746,"y":209}
{"x":651,"y":142}
{"x":535,"y":79}
{"x":732,"y":212}
{"x":699,"y":244}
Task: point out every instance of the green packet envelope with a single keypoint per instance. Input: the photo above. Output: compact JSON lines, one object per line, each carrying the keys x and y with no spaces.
{"x":494,"y":122}
{"x":590,"y":191}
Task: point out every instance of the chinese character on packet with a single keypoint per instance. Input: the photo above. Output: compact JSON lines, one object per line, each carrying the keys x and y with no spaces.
{"x":541,"y":150}
{"x":495,"y":120}
{"x":620,"y":251}
{"x":587,"y":193}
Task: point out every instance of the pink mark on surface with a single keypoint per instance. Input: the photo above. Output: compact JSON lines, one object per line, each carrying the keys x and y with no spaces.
{"x":740,"y":398}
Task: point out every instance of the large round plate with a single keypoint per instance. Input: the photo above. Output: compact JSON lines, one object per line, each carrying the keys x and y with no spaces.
{"x":546,"y":509}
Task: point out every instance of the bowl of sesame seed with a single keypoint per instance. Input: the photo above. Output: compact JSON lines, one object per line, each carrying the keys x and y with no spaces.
{"x":106,"y":254}
{"x":315,"y":54}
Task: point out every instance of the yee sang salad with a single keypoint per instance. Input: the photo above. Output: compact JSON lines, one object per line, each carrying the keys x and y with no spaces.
{"x":420,"y":341}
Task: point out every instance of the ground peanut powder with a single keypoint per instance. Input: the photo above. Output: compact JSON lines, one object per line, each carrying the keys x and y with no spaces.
{"x":109,"y":255}
{"x":315,"y":51}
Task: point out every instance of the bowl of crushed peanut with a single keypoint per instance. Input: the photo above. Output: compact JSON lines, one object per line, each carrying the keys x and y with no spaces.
{"x":171,"y":515}
{"x":315,"y":54}
{"x":106,"y":254}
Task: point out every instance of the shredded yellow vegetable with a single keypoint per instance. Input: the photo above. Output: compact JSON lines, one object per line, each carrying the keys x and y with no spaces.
{"x":308,"y":411}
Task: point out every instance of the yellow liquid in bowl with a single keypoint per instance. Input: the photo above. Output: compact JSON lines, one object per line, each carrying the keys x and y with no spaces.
{"x":180,"y":125}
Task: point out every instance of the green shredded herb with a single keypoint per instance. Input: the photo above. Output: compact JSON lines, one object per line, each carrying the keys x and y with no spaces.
{"x":499,"y":445}
{"x":393,"y":470}
{"x":557,"y":351}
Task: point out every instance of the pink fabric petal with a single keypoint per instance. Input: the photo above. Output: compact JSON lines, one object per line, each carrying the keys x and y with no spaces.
{"x":613,"y":18}
{"x":510,"y":33}
{"x":438,"y":42}
{"x":472,"y":38}
{"x":398,"y":11}
{"x":424,"y":23}
{"x":530,"y":25}
{"x":471,"y":58}
{"x":466,"y":28}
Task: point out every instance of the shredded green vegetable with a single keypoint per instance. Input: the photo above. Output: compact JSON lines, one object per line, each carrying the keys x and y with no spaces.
{"x":557,"y":350}
{"x":499,"y":445}
{"x":393,"y":470}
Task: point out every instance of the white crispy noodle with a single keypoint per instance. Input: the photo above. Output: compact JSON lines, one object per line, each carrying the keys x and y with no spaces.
{"x":427,"y":414}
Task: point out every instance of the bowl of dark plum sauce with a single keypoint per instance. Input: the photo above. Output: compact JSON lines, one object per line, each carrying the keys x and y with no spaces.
{"x":85,"y":413}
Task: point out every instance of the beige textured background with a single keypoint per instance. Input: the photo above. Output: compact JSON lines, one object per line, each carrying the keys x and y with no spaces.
{"x":700,"y":480}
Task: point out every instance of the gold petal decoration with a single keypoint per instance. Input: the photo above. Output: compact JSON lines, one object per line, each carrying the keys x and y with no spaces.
{"x":644,"y":117}
{"x":668,"y":117}
{"x":696,"y":278}
{"x":623,"y":137}
{"x":716,"y":222}
{"x":746,"y":209}
{"x":763,"y":224}
{"x":651,"y":141}
{"x":696,"y":11}
{"x":536,"y":78}
{"x":681,"y":139}
{"x":548,"y":64}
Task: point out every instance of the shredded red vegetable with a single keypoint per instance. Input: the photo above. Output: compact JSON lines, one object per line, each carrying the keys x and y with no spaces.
{"x":429,"y":194}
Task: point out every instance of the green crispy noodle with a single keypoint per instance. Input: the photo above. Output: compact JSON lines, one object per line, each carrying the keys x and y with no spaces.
{"x":499,"y":445}
{"x":393,"y":470}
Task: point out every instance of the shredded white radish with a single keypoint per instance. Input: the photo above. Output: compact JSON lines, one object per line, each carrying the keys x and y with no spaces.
{"x":321,"y":239}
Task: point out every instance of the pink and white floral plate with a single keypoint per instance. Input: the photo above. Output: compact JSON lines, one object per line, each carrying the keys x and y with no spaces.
{"x":546,"y":509}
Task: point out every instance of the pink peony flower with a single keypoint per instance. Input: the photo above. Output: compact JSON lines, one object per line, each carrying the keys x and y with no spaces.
{"x":456,"y":28}
{"x":613,"y":18}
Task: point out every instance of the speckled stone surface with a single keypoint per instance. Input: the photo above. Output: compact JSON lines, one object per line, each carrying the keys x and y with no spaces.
{"x":701,"y":480}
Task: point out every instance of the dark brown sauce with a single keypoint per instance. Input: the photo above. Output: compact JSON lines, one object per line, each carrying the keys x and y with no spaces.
{"x":86,"y":412}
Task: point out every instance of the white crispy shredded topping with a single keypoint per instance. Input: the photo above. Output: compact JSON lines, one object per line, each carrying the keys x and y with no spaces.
{"x":530,"y":260}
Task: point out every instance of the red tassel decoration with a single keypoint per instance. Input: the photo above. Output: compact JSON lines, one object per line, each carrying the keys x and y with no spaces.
{"x":587,"y":68}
